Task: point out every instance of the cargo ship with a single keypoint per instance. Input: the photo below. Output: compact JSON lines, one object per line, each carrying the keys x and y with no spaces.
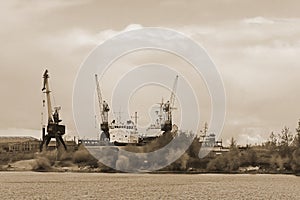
{"x":126,"y":133}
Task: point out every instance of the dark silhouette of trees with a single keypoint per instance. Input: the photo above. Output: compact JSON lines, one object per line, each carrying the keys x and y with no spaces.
{"x":285,"y":141}
{"x":271,"y":144}
{"x":227,"y":162}
{"x":296,"y":152}
{"x":248,"y":158}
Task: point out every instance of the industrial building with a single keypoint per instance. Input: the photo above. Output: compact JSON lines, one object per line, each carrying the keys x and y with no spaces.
{"x":19,"y":144}
{"x":28,"y":144}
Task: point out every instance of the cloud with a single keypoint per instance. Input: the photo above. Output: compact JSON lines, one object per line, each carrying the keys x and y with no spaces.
{"x":247,"y":56}
{"x":259,"y":66}
{"x":23,"y":12}
{"x":253,"y":135}
{"x":258,"y":20}
{"x":230,"y":33}
{"x":77,"y":38}
{"x":74,"y":39}
{"x":133,"y":27}
{"x":38,"y":6}
{"x":242,"y":33}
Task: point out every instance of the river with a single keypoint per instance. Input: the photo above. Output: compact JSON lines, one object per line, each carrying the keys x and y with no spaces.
{"x":34,"y":185}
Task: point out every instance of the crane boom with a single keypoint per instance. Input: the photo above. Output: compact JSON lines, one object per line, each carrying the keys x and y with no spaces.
{"x":99,"y":98}
{"x":47,"y":91}
{"x":172,"y":97}
{"x":104,"y":108}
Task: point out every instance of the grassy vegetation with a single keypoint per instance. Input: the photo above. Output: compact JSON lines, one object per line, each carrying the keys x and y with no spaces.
{"x":8,"y":157}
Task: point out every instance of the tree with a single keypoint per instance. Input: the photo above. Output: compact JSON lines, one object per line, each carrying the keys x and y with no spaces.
{"x":248,"y":157}
{"x":220,"y":164}
{"x":285,"y":142}
{"x":296,"y":161}
{"x":296,"y":152}
{"x":273,"y":140}
{"x":233,"y":156}
{"x":233,"y":145}
{"x":297,"y":137}
{"x":286,"y":137}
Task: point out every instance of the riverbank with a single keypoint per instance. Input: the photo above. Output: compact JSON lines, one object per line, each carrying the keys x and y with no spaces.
{"x":35,"y":185}
{"x":263,"y":159}
{"x":30,"y":166}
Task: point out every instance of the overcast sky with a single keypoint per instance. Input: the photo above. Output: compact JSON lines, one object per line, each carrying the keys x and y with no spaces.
{"x":254,"y":44}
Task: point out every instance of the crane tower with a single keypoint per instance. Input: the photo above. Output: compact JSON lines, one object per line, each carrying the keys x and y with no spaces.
{"x":104,"y":108}
{"x":168,"y":107}
{"x":54,"y":129}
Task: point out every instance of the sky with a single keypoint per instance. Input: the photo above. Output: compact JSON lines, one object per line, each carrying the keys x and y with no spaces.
{"x":254,"y":44}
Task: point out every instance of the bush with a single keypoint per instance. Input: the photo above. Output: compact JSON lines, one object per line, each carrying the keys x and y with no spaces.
{"x":41,"y":164}
{"x":83,"y":157}
{"x":296,"y":161}
{"x":218,"y":164}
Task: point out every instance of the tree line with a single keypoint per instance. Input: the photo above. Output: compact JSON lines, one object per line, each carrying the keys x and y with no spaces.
{"x":279,"y":154}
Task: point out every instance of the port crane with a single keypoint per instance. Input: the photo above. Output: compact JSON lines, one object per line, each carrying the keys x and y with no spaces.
{"x":168,"y":107}
{"x":54,"y":129}
{"x":104,"y":109}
